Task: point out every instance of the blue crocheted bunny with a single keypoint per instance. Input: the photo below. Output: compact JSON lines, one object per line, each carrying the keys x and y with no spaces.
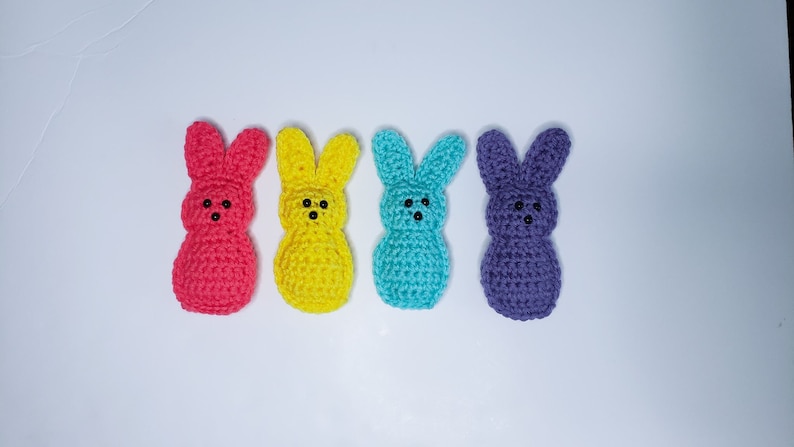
{"x":411,"y":263}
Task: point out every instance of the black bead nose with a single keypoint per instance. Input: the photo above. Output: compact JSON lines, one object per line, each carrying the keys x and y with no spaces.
{"x":527,"y":219}
{"x":216,"y":216}
{"x":417,"y":216}
{"x":313,"y":215}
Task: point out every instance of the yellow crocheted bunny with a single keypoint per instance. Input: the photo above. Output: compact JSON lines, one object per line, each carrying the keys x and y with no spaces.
{"x":313,"y":265}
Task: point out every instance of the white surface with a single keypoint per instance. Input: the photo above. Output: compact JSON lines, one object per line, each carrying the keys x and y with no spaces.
{"x":676,"y":322}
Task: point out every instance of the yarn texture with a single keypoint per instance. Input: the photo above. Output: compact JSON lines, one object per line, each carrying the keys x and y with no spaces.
{"x":313,"y":267}
{"x":520,"y":273}
{"x":411,"y":262}
{"x":216,"y":268}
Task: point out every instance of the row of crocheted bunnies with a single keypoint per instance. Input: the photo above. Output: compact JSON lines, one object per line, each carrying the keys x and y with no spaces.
{"x":215,"y":271}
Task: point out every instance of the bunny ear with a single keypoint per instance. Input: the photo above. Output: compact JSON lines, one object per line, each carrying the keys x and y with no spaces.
{"x":393,"y":158}
{"x":545,"y":157}
{"x":337,"y":161}
{"x":295,"y":157}
{"x":497,"y":160}
{"x":246,"y":155}
{"x":203,"y":150}
{"x":442,"y":162}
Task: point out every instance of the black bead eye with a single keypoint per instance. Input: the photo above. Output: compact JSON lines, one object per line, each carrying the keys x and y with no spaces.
{"x":207,"y":203}
{"x":307,"y":203}
{"x":216,"y":216}
{"x":323,"y":204}
{"x":408,"y":203}
{"x":527,"y":219}
{"x":519,"y":205}
{"x":417,"y":216}
{"x":313,"y":215}
{"x":226,"y":204}
{"x":536,"y":205}
{"x":425,"y":202}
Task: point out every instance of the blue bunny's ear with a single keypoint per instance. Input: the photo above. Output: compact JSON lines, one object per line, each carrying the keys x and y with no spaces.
{"x":442,"y":162}
{"x":546,"y":157}
{"x":393,"y":159}
{"x":497,"y":160}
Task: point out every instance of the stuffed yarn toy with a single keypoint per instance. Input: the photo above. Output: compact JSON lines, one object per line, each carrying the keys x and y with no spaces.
{"x":411,"y":262}
{"x":520,"y":273}
{"x":313,"y":266}
{"x":215,"y":269}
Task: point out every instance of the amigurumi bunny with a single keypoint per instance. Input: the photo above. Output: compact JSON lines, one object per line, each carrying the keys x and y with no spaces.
{"x":313,"y":266}
{"x":215,"y":270}
{"x":411,"y":263}
{"x":520,"y":273}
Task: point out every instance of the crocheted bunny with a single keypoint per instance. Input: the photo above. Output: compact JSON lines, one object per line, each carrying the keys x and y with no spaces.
{"x":313,"y":266}
{"x":215,"y":270}
{"x":411,"y":263}
{"x":520,"y":273}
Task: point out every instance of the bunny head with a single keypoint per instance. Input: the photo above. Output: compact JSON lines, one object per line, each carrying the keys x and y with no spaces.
{"x":221,"y":195}
{"x":522,"y":203}
{"x":414,"y":200}
{"x":312,"y":195}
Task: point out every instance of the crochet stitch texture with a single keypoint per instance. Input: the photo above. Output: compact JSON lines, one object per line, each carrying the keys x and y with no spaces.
{"x":313,"y":266}
{"x":520,"y":273}
{"x":411,"y":262}
{"x":215,"y":269}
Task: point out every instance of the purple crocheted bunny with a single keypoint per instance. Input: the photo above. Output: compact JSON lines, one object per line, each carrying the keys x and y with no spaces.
{"x":520,"y":273}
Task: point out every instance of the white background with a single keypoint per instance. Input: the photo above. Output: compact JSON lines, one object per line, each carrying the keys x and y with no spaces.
{"x":675,"y":326}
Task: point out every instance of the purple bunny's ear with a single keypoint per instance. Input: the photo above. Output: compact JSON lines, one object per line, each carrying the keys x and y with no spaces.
{"x":545,"y":158}
{"x":497,"y":160}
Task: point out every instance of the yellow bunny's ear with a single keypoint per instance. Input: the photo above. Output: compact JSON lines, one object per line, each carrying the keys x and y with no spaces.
{"x":337,"y":161}
{"x":295,"y":157}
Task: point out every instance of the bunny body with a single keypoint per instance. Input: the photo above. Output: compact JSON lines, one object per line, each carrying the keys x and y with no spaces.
{"x":408,"y":280}
{"x":411,"y":262}
{"x":215,"y":270}
{"x":202,"y":287}
{"x":521,"y":279}
{"x":302,"y":287}
{"x":313,"y":267}
{"x":520,"y":273}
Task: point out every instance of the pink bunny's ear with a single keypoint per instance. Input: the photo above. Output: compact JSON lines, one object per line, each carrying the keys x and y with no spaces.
{"x":246,"y":156}
{"x":203,"y":150}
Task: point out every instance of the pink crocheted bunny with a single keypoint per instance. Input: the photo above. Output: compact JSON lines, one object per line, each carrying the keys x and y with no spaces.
{"x":215,"y":270}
